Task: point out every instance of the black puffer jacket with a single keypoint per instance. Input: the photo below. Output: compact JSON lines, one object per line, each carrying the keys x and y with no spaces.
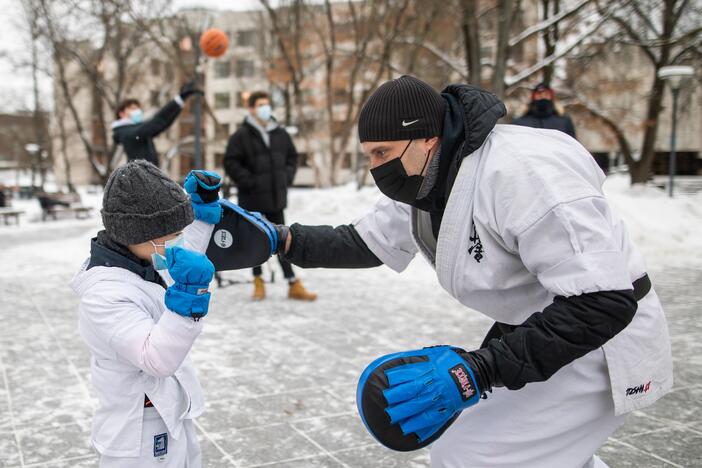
{"x":137,"y":139}
{"x":544,"y":115}
{"x":261,"y":173}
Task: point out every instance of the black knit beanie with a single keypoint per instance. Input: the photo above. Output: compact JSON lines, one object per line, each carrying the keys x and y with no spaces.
{"x":141,"y":203}
{"x":402,"y":109}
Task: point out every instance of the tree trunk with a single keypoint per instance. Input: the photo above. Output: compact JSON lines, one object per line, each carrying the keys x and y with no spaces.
{"x":641,"y":169}
{"x":504,"y":11}
{"x":471,"y":40}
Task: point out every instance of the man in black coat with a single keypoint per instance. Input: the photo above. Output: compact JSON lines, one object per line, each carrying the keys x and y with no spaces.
{"x":261,"y":160}
{"x":136,"y":134}
{"x":542,"y":112}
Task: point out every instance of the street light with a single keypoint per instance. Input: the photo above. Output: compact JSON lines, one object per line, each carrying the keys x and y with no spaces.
{"x":674,"y":75}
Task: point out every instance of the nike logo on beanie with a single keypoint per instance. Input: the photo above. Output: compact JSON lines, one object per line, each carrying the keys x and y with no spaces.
{"x":405,"y":124}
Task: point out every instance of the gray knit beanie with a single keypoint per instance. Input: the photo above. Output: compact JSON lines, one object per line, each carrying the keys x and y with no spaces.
{"x":141,"y":203}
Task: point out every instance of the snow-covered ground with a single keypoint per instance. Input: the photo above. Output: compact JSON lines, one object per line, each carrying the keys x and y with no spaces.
{"x":280,"y":376}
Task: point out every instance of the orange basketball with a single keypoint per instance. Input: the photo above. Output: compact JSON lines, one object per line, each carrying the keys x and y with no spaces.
{"x":214,"y":42}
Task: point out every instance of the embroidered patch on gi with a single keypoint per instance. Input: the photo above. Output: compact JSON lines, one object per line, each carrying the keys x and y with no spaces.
{"x":476,"y":250}
{"x":160,"y":445}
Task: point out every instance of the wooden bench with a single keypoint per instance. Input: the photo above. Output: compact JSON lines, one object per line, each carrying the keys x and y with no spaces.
{"x":54,"y":204}
{"x":10,"y":213}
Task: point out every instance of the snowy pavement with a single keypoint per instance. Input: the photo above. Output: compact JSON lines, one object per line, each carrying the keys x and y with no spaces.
{"x":280,"y":377}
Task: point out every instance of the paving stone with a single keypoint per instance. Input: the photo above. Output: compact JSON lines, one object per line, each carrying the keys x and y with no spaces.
{"x":677,"y":445}
{"x":266,"y":444}
{"x":49,"y":444}
{"x":337,"y":432}
{"x":9,"y":452}
{"x":622,"y":456}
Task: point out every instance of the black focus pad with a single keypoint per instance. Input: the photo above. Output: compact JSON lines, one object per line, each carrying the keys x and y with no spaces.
{"x":372,"y":404}
{"x":237,"y":243}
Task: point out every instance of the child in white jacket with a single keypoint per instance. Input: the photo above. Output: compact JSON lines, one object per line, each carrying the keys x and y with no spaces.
{"x":139,"y":327}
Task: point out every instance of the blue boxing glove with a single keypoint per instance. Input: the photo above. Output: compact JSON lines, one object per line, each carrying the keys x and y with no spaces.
{"x":408,"y":399}
{"x":192,"y":273}
{"x":203,"y":188}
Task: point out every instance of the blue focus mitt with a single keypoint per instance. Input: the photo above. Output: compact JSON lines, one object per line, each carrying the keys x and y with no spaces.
{"x":203,"y":188}
{"x":243,"y":239}
{"x":407,"y":400}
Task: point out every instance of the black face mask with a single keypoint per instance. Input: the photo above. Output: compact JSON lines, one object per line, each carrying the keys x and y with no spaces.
{"x":544,"y":106}
{"x":392,"y":179}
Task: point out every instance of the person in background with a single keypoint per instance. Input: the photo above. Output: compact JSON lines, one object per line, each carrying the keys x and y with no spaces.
{"x":261,"y":161}
{"x":542,"y":112}
{"x":136,"y":135}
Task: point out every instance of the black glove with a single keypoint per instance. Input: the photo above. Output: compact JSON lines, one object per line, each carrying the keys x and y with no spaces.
{"x":188,"y":89}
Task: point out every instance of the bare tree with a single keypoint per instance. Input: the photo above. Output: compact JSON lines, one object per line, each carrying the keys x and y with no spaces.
{"x":94,"y":43}
{"x":663,"y":33}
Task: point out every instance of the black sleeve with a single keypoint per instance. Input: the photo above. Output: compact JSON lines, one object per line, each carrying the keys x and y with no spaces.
{"x":291,"y":161}
{"x":235,"y":162}
{"x":328,"y":247}
{"x":566,"y":330}
{"x":160,"y":122}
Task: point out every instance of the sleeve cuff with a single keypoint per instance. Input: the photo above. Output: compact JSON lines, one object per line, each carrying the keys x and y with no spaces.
{"x":587,"y":273}
{"x":396,"y":259}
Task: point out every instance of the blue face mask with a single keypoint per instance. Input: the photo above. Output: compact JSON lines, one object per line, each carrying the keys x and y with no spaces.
{"x":159,"y":261}
{"x":136,"y":116}
{"x":264,"y":112}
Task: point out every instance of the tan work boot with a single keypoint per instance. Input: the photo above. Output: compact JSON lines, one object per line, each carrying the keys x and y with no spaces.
{"x":298,"y":292}
{"x":259,"y":289}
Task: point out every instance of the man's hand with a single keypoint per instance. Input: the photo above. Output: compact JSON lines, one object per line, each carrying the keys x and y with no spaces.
{"x":421,"y":393}
{"x":192,"y":273}
{"x":188,"y":89}
{"x":203,"y":188}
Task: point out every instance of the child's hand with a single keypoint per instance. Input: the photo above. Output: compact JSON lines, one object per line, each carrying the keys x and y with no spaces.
{"x":192,"y":273}
{"x":203,"y":188}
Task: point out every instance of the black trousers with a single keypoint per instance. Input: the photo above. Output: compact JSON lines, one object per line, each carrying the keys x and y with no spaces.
{"x":277,"y":217}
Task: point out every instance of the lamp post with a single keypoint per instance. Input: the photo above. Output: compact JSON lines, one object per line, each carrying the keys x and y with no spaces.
{"x":674,"y":75}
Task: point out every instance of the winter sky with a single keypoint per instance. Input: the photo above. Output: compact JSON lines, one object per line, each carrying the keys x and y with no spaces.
{"x":16,"y":80}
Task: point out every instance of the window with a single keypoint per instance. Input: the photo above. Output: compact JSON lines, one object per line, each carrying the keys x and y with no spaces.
{"x":155,"y":67}
{"x":242,"y":99}
{"x":221,"y":101}
{"x":168,"y":69}
{"x":223,"y":69}
{"x":221,"y":131}
{"x":246,"y":38}
{"x":154,"y":98}
{"x":245,"y":68}
{"x":219,"y":159}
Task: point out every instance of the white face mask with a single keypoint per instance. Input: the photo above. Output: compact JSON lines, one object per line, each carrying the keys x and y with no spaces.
{"x":264,"y":112}
{"x":159,"y":261}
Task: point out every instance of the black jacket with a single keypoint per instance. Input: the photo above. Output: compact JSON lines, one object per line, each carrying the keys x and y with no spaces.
{"x":564,"y":331}
{"x":546,"y":116}
{"x":261,"y":173}
{"x":137,"y":139}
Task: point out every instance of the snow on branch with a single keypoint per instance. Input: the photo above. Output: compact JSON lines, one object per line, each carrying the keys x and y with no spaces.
{"x":560,"y":52}
{"x":547,"y":23}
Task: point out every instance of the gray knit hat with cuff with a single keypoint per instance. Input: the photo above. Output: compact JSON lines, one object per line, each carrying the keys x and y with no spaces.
{"x":141,"y":203}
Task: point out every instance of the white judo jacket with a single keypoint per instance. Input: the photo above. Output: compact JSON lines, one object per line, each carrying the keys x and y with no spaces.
{"x":138,"y":347}
{"x":527,"y":220}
